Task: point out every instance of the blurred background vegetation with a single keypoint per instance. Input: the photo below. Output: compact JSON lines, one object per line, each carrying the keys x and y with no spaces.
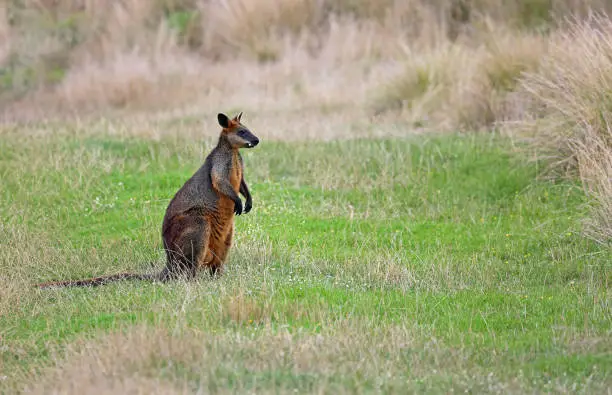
{"x":536,"y":68}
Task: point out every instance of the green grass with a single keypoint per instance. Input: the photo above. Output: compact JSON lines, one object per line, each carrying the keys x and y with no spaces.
{"x":444,"y":263}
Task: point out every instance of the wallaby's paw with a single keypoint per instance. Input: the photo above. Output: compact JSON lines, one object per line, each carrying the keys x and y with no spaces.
{"x":238,"y":207}
{"x":248,"y":206}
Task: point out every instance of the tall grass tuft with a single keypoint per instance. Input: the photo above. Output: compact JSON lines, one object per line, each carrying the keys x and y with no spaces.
{"x":571,"y":110}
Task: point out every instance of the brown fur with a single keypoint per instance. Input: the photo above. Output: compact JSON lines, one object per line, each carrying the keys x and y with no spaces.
{"x":198,"y":227}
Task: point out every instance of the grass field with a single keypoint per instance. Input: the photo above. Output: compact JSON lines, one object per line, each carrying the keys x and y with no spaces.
{"x":413,"y":264}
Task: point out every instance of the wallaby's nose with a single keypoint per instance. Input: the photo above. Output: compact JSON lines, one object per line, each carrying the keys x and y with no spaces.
{"x":255,"y":141}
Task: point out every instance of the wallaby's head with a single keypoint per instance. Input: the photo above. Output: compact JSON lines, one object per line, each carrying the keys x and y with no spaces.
{"x":236,"y":133}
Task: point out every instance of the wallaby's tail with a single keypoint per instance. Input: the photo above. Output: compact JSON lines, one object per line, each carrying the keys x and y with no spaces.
{"x":94,"y":282}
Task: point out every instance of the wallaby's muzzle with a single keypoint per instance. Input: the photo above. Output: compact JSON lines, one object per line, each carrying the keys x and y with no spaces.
{"x":250,"y":139}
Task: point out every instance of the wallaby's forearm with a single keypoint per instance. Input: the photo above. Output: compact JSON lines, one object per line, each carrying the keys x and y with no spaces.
{"x":224,"y":187}
{"x":244,"y":190}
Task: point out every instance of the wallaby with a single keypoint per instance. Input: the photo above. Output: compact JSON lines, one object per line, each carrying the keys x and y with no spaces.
{"x":198,"y":227}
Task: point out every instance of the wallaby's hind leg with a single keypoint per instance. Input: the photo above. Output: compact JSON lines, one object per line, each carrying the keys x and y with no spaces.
{"x":220,"y":249}
{"x":227,"y":244}
{"x":186,"y":242}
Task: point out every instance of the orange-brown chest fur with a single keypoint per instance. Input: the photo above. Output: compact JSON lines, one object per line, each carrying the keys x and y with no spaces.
{"x":222,"y":221}
{"x":226,"y":205}
{"x":235,"y":172}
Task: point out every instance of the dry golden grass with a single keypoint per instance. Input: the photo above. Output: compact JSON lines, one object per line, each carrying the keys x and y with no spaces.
{"x":193,"y":360}
{"x":241,"y":309}
{"x":350,"y":357}
{"x":594,"y":159}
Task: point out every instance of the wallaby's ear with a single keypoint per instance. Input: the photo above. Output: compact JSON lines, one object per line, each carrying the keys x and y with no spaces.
{"x":237,"y":117}
{"x":223,"y":120}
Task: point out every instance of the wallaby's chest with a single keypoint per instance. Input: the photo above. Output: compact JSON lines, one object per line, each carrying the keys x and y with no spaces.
{"x":235,"y":173}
